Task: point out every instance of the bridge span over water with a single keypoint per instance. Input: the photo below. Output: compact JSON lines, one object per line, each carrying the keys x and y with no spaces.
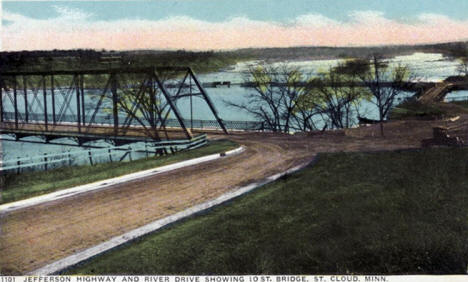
{"x":138,"y":102}
{"x":124,"y":105}
{"x":439,"y":90}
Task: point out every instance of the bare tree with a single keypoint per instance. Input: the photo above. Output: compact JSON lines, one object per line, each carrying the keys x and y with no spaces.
{"x":338,"y":95}
{"x":285,"y":99}
{"x":277,"y":98}
{"x":384,"y":84}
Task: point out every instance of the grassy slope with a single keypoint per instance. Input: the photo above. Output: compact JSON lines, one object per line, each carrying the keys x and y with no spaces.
{"x":36,"y":183}
{"x":463,"y":104}
{"x":412,"y":109}
{"x":392,"y":212}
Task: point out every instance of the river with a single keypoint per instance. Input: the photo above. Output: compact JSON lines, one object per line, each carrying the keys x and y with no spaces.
{"x":424,"y":66}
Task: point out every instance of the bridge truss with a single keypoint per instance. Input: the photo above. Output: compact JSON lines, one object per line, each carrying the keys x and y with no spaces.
{"x":121,"y":105}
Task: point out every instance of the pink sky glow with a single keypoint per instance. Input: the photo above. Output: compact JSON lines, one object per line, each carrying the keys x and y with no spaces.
{"x":366,"y":28}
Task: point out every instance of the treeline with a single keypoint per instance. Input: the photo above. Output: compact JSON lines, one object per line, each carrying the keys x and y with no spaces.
{"x":93,"y":59}
{"x":205,"y":61}
{"x":452,"y":49}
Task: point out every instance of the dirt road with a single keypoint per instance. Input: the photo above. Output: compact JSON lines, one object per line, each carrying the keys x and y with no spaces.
{"x":35,"y":236}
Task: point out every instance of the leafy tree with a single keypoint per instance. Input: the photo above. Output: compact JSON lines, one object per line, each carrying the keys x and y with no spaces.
{"x":460,"y":52}
{"x":462,"y":67}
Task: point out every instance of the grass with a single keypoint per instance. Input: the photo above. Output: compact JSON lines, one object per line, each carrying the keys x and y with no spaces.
{"x":30,"y":184}
{"x":463,"y":104}
{"x":351,"y":213}
{"x":413,"y":109}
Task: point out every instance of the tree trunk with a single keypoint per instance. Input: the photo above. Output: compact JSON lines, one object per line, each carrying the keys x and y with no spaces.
{"x":381,"y":124}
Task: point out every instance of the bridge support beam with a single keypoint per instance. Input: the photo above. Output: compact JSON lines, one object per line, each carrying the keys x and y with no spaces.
{"x":172,"y":105}
{"x":83,"y":109}
{"x":1,"y":98}
{"x":52,"y":92}
{"x":208,"y":100}
{"x":78,"y":108}
{"x":115,"y":112}
{"x":44,"y":92}
{"x":15,"y":99}
{"x":25,"y":92}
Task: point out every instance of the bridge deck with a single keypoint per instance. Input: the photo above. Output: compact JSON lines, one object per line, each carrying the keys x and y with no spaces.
{"x":95,"y":132}
{"x":438,"y":92}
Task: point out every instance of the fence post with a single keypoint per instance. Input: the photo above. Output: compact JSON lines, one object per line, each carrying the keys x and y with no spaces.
{"x":110,"y":155}
{"x":146,"y":149}
{"x":130,"y":153}
{"x":45,"y":161}
{"x":90,"y":157}
{"x":18,"y":162}
{"x":201,"y":123}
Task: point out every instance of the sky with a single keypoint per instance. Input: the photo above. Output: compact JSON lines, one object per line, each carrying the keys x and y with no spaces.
{"x":228,"y":24}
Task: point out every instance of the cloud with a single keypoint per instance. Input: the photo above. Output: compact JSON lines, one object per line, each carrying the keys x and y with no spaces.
{"x":71,"y":14}
{"x":73,"y":28}
{"x":368,"y":17}
{"x":314,"y":20}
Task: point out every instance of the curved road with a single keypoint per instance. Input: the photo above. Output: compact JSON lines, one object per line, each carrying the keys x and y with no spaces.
{"x":33,"y":237}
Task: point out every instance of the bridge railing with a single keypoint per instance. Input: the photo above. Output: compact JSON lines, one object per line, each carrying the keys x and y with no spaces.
{"x":48,"y":161}
{"x":107,"y":120}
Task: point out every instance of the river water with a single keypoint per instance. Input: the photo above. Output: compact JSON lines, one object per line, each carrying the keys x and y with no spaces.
{"x":425,"y":67}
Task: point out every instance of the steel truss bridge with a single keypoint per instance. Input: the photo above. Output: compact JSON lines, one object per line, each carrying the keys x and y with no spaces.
{"x":138,"y":104}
